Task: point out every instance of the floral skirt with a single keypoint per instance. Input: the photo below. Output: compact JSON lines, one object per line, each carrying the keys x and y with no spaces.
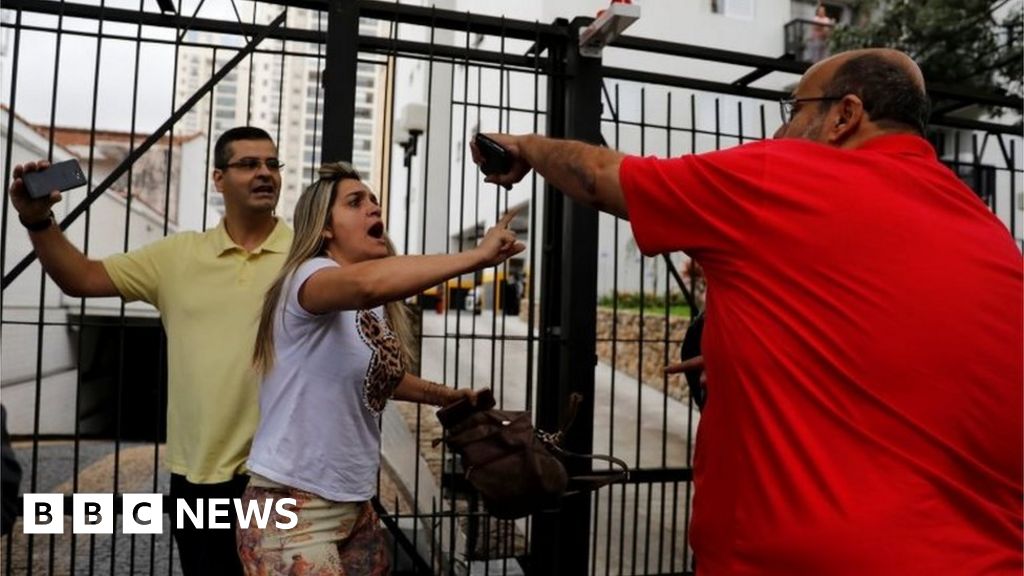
{"x":330,"y":539}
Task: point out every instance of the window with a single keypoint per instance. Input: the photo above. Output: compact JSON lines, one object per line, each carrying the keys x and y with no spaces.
{"x":742,"y":9}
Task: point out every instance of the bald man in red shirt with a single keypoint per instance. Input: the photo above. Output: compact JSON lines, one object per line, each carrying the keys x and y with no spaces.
{"x":864,"y":337}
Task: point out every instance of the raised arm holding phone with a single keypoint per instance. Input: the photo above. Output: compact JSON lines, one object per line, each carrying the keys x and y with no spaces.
{"x":208,"y":287}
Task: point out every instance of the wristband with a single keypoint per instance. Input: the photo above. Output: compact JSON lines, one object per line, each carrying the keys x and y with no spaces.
{"x":40,"y":225}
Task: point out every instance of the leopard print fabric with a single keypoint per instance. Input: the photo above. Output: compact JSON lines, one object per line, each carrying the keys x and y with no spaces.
{"x":386,"y":366}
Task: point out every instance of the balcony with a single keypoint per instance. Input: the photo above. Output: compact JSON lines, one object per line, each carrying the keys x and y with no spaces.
{"x":807,"y":40}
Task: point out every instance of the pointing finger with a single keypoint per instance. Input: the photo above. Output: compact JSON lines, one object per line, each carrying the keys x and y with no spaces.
{"x":691,"y":364}
{"x":507,"y":218}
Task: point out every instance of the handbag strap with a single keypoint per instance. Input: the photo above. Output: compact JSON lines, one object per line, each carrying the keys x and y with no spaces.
{"x":592,"y":482}
{"x":568,"y":417}
{"x":553,"y":442}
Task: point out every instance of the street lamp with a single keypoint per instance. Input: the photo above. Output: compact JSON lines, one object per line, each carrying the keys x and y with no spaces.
{"x":411,"y":124}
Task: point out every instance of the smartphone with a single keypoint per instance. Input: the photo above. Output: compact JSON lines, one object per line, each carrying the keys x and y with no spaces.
{"x":497,"y":159}
{"x":60,"y":176}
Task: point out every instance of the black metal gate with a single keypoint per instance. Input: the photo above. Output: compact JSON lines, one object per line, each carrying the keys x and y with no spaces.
{"x":581,"y":311}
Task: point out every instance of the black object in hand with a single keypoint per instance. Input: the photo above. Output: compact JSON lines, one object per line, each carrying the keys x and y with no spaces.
{"x":497,"y":159}
{"x":691,"y":349}
{"x":461,"y":409}
{"x":60,"y":176}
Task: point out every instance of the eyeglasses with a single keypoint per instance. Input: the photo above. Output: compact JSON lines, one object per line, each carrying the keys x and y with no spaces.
{"x":250,"y":164}
{"x":787,"y":106}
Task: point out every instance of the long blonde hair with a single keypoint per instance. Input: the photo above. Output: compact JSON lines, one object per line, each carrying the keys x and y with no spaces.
{"x":312,"y":215}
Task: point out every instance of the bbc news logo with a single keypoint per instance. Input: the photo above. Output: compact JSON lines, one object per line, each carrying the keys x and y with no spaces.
{"x":143,"y":513}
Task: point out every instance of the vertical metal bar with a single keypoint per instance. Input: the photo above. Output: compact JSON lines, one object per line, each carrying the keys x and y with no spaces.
{"x":689,"y":414}
{"x":693,"y":123}
{"x":131,"y":549}
{"x":209,"y":138}
{"x":642,"y":333}
{"x":739,"y":114}
{"x":531,"y":320}
{"x":159,"y":423}
{"x":561,"y":538}
{"x":499,"y":289}
{"x":718,"y":124}
{"x":665,"y":362}
{"x":675,"y":524}
{"x":170,"y":554}
{"x":956,"y":152}
{"x":252,"y":66}
{"x":544,"y":529}
{"x":280,"y":87}
{"x":423,"y":247}
{"x":8,"y":156}
{"x":476,"y":223}
{"x":340,"y":78}
{"x":764,"y":133}
{"x":445,"y":306}
{"x":472,"y":522}
{"x":614,"y":372}
{"x":531,"y":326}
{"x":41,"y":326}
{"x":122,"y":318}
{"x":1013,"y":189}
{"x":324,"y":157}
{"x":76,"y":457}
{"x":10,"y":536}
{"x":51,"y":557}
{"x":462,"y":234}
{"x":595,"y":506}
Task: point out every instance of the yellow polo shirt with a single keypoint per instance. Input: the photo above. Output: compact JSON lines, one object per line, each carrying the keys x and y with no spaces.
{"x":209,"y":292}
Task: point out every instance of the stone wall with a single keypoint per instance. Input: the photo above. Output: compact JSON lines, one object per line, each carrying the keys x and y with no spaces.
{"x":628,"y":349}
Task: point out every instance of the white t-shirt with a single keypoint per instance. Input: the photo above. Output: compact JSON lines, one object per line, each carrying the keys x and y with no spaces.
{"x":320,"y":404}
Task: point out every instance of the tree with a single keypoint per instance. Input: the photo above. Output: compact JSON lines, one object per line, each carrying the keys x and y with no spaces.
{"x":955,"y":42}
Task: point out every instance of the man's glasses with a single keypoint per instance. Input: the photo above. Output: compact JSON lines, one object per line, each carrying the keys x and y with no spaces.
{"x":787,"y":106}
{"x":251,"y":164}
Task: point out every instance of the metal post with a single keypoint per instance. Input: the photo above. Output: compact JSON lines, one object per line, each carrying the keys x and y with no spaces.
{"x":561,"y":539}
{"x":340,"y":81}
{"x":409,"y":149}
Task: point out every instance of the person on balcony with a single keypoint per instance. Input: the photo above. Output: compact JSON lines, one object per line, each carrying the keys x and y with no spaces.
{"x":821,"y":31}
{"x":333,"y":347}
{"x":208,"y":288}
{"x":865,"y":323}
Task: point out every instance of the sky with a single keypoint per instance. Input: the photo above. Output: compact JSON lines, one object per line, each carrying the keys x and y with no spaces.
{"x":77,"y":79}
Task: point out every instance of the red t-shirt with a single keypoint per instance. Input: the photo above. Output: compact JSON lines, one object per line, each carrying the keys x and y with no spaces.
{"x":863,"y":351}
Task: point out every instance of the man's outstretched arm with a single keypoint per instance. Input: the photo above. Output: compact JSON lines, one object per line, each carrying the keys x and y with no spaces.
{"x":588,"y":174}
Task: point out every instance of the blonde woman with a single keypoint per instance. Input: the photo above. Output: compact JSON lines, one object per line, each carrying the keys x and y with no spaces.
{"x":332,"y":348}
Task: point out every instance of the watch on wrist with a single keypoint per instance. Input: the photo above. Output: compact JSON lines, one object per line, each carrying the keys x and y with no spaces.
{"x":40,"y":225}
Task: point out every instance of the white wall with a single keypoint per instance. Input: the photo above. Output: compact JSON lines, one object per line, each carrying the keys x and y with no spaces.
{"x":31,"y":293}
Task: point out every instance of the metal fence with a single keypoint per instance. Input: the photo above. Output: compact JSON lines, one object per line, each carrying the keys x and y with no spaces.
{"x":84,"y":380}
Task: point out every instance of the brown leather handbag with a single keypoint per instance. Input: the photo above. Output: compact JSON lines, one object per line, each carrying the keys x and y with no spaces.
{"x":516,"y":469}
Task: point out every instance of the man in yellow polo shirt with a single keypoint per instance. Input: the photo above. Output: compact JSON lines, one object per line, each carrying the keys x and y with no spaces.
{"x":209,"y":289}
